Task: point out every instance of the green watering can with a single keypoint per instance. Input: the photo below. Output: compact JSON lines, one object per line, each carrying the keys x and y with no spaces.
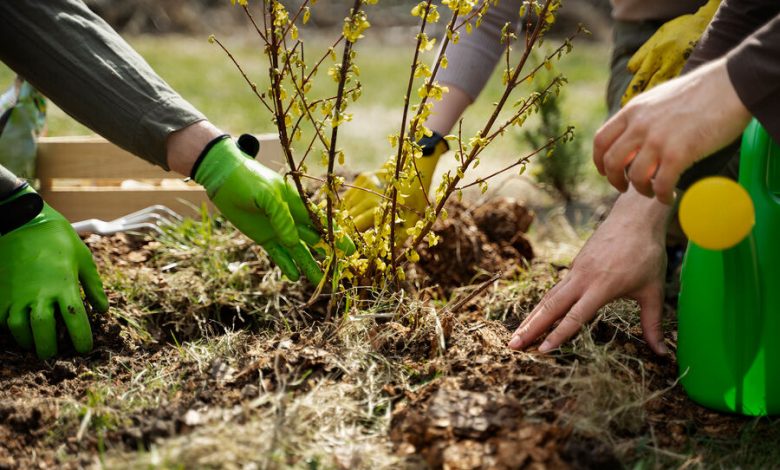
{"x":729,"y":306}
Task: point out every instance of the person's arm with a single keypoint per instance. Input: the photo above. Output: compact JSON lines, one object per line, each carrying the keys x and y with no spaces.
{"x":666,"y":130}
{"x":472,"y":60}
{"x":754,"y":70}
{"x":470,"y":63}
{"x":446,"y":112}
{"x":77,"y":60}
{"x":84,"y":66}
{"x":624,"y":258}
{"x":8,"y":183}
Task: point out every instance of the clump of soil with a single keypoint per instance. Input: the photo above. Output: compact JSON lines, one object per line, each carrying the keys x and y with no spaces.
{"x":493,"y":408}
{"x":461,"y":429}
{"x":477,"y":243}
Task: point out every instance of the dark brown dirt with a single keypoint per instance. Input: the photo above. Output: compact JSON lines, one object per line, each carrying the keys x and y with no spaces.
{"x":474,"y":417}
{"x":477,"y":243}
{"x":490,"y":399}
{"x":471,"y":404}
{"x":35,"y":394}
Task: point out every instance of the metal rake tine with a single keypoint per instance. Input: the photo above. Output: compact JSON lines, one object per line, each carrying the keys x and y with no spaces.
{"x":159,"y":212}
{"x":150,"y":217}
{"x":102,"y":227}
{"x":168,"y":212}
{"x":133,"y":227}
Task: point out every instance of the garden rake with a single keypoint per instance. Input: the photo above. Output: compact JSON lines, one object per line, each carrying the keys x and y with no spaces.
{"x":149,"y":218}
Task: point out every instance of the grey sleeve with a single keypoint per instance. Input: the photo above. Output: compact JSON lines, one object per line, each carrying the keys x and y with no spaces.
{"x":473,"y":58}
{"x":8,"y":182}
{"x":78,"y":61}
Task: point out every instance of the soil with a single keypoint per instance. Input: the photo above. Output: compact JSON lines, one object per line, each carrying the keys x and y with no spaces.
{"x":477,"y":242}
{"x":470,"y":402}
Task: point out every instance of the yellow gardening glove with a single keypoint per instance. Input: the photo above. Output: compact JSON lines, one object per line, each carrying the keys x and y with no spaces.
{"x":363,"y":203}
{"x":663,"y":56}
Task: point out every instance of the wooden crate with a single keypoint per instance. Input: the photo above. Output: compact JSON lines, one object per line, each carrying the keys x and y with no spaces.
{"x":87,"y":177}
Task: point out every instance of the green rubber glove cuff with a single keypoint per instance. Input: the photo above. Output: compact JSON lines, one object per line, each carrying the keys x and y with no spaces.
{"x":259,"y":202}
{"x":23,"y":188}
{"x":217,"y":162}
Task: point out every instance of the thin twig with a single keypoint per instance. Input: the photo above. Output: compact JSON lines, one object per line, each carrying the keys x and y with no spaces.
{"x":518,"y":162}
{"x":252,"y":85}
{"x":276,"y":75}
{"x":336,"y":123}
{"x":295,"y":18}
{"x":526,"y":106}
{"x":257,"y":28}
{"x":344,"y":70}
{"x":512,"y":83}
{"x":478,"y":290}
{"x":399,"y":155}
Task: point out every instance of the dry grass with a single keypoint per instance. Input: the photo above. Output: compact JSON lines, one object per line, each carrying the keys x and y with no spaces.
{"x":323,"y":428}
{"x":232,"y":372}
{"x":337,"y":421}
{"x":201,"y":277}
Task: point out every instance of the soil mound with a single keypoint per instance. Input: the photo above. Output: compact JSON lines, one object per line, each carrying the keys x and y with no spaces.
{"x":477,"y":242}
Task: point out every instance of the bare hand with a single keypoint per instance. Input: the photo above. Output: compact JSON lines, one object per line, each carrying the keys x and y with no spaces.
{"x":625,"y":257}
{"x":663,"y":131}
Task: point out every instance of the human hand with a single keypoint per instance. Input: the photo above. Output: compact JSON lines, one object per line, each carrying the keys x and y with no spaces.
{"x":42,"y":262}
{"x":662,"y":132}
{"x":364,"y":197}
{"x":262,"y":205}
{"x":663,"y":56}
{"x":625,"y":258}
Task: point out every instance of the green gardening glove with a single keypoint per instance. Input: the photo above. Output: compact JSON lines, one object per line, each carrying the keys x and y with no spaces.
{"x":261,"y":204}
{"x":42,"y":262}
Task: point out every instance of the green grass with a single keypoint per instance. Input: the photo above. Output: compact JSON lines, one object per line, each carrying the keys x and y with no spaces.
{"x":205,"y":76}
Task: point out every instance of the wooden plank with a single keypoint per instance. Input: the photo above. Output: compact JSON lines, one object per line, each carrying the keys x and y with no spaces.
{"x":271,"y":154}
{"x":92,"y":157}
{"x":111,"y":203}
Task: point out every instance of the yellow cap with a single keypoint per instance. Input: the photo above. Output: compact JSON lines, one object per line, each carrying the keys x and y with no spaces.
{"x":717,"y":213}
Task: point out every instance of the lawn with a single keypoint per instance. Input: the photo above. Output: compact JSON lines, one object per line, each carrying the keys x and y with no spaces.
{"x":204,"y":75}
{"x":208,"y":358}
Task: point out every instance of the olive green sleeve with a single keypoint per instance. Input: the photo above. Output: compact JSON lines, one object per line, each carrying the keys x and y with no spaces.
{"x":79,"y":62}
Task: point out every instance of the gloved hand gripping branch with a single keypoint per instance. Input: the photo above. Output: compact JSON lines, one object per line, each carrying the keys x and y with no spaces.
{"x":260,"y":203}
{"x":363,"y":204}
{"x":42,"y":262}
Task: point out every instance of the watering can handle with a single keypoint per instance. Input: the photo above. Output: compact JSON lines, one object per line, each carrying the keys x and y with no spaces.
{"x":755,"y":154}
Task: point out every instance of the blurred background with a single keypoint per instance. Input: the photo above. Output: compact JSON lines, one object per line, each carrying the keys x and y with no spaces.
{"x":173,"y":36}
